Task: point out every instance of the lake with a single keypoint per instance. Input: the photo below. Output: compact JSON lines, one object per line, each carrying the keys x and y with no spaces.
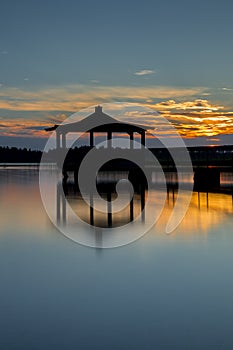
{"x":160,"y":292}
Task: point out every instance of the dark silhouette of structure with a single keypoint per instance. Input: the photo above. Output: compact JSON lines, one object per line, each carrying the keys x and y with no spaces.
{"x":106,"y":124}
{"x":208,"y":162}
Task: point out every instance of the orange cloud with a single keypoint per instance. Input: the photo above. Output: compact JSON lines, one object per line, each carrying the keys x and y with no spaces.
{"x":197,"y":105}
{"x":191,"y":117}
{"x":75,"y":97}
{"x":23,"y":127}
{"x":197,"y":118}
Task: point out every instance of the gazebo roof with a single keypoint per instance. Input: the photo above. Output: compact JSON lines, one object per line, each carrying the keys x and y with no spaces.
{"x":99,"y":122}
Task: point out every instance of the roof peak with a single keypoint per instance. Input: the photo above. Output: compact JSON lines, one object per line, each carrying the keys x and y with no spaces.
{"x":94,"y":120}
{"x":98,"y":109}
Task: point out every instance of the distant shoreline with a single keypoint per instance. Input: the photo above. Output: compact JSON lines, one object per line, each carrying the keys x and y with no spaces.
{"x":201,"y":156}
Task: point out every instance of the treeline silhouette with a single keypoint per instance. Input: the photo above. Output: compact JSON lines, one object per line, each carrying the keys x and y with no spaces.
{"x":200,"y":156}
{"x":19,"y":155}
{"x":212,"y":156}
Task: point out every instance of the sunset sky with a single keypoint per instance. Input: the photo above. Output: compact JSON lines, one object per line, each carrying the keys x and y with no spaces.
{"x":57,"y":57}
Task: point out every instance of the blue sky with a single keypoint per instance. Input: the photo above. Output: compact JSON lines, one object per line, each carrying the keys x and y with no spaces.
{"x":49,"y":49}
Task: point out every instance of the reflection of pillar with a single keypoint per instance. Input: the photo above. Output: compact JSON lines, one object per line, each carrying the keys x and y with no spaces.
{"x":131,"y":140}
{"x":207,"y":200}
{"x":61,"y":204}
{"x":58,"y":140}
{"x":91,"y":209}
{"x":91,"y":139}
{"x":173,"y":195}
{"x":58,"y":204}
{"x":109,"y":204}
{"x":64,"y":140}
{"x":143,"y":191}
{"x":63,"y":209}
{"x":109,"y":137}
{"x":131,"y":209}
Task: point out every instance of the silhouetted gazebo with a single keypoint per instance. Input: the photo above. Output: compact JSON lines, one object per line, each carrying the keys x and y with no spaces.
{"x":106,"y":124}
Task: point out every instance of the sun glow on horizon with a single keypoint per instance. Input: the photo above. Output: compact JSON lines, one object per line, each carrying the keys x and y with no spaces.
{"x":192,"y":117}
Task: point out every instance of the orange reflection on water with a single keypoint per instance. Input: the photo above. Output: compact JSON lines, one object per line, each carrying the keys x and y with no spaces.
{"x":206,"y":210}
{"x":21,"y":209}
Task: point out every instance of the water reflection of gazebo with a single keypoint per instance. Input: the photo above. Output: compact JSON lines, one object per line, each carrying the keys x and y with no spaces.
{"x":101,"y":123}
{"x":98,"y":123}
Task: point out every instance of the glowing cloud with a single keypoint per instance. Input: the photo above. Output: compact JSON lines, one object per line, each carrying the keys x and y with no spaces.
{"x":191,"y":116}
{"x":197,"y":105}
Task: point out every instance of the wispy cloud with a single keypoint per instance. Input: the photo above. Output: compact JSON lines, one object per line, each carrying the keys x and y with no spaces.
{"x":72,"y":98}
{"x":144,"y":72}
{"x":56,"y":118}
{"x":24,"y":127}
{"x":227,"y":89}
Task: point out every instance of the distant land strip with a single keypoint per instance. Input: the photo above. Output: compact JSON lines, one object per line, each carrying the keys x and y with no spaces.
{"x":204,"y":155}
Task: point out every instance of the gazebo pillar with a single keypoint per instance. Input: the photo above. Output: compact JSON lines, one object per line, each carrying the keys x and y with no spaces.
{"x":143,"y":138}
{"x":63,"y":140}
{"x":91,"y":139}
{"x":109,"y":138}
{"x":58,"y":145}
{"x":131,"y":140}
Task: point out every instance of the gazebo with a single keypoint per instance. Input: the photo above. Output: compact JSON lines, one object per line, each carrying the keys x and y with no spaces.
{"x":106,"y":124}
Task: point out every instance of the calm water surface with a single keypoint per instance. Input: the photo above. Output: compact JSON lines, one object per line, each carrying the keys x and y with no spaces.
{"x":160,"y":292}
